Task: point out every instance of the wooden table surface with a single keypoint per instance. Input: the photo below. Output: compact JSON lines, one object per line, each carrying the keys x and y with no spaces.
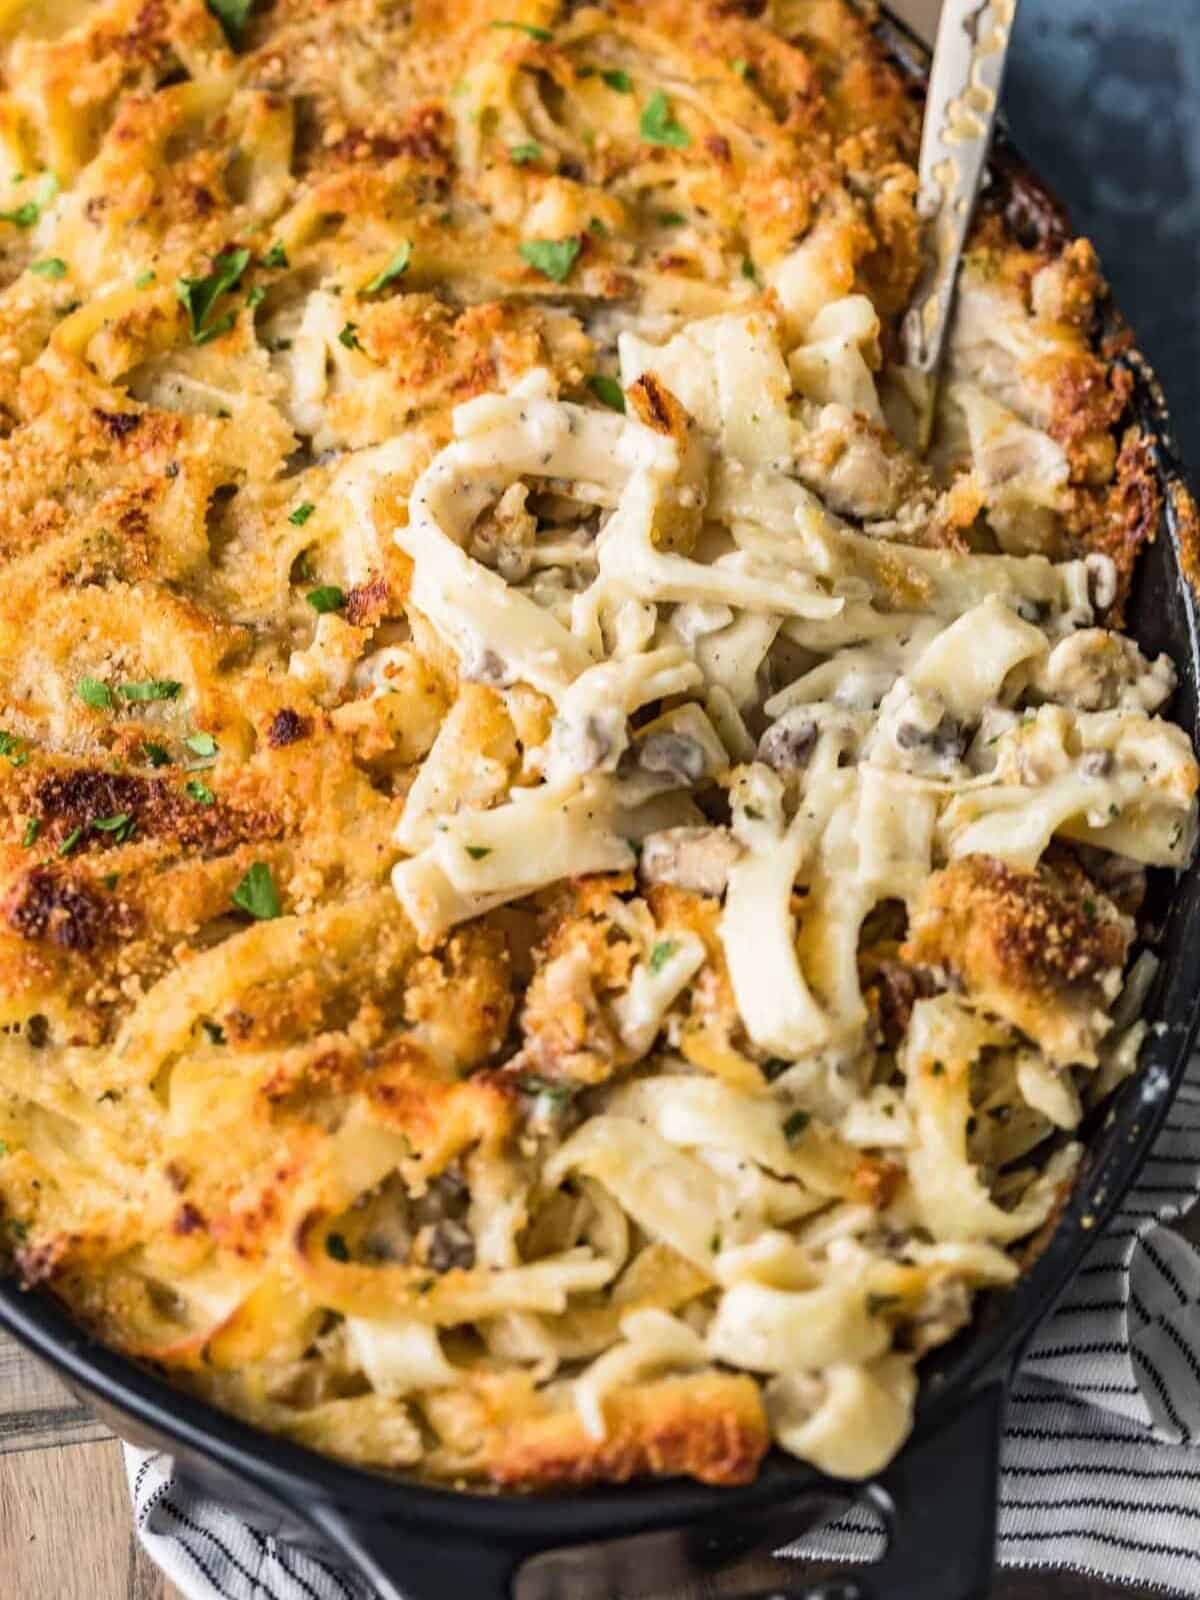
{"x":66,"y":1531}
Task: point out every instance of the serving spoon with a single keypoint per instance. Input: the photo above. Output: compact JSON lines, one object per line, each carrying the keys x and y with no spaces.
{"x":965,"y":79}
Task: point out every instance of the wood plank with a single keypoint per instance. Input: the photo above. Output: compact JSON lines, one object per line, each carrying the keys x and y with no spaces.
{"x":35,"y":1409}
{"x":65,"y":1532}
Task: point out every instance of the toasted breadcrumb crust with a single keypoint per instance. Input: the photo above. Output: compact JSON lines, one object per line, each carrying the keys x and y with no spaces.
{"x":246,"y":1118}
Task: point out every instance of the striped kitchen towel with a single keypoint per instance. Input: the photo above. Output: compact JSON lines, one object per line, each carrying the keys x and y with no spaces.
{"x":1100,"y":1473}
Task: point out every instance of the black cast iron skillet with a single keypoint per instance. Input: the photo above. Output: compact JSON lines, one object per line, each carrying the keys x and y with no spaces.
{"x":937,"y":1500}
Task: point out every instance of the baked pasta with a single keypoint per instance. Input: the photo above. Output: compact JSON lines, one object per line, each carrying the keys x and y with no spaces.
{"x":571,"y":835}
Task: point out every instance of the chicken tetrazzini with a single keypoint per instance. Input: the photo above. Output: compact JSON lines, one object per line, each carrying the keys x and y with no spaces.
{"x":572,"y":841}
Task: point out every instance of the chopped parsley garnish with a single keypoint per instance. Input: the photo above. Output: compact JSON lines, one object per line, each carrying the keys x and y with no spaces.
{"x":13,"y":747}
{"x":32,"y":828}
{"x":3,"y":1148}
{"x":658,"y":124}
{"x":256,"y":296}
{"x":336,"y":1247}
{"x":348,"y":337}
{"x":110,"y":880}
{"x":600,"y":229}
{"x":607,"y":390}
{"x":94,"y":693}
{"x":741,"y":67}
{"x":530,"y":1083}
{"x":156,"y":755}
{"x":214,"y":1030}
{"x":671,"y":219}
{"x":233,"y":16}
{"x":748,"y":269}
{"x":618,"y":80}
{"x":795,"y":1125}
{"x":553,"y":258}
{"x":52,"y":267}
{"x":877,"y":1303}
{"x":542,"y":35}
{"x":111,"y":824}
{"x":396,"y":268}
{"x":26,"y":214}
{"x":70,"y":841}
{"x":150,"y":689}
{"x":478,"y":851}
{"x":522,"y":154}
{"x":198,"y":296}
{"x":328,"y":597}
{"x":201,"y":744}
{"x":301,"y":514}
{"x":144,"y":279}
{"x":1089,"y":910}
{"x":276,"y":256}
{"x":257,"y":893}
{"x":661,"y":954}
{"x":200,"y":792}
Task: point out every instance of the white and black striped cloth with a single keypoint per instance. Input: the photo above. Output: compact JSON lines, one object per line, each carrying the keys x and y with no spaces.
{"x":1100,"y":1473}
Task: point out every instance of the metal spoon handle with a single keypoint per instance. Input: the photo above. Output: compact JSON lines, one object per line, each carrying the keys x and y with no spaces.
{"x":960,"y":113}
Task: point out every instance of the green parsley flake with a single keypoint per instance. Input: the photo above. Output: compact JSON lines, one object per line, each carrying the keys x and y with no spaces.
{"x":94,"y":693}
{"x":199,"y":295}
{"x":70,"y":841}
{"x":26,"y":214}
{"x":214,"y":1030}
{"x":618,"y":80}
{"x":531,"y":1083}
{"x":326,"y":598}
{"x":156,"y":755}
{"x":348,"y":337}
{"x":301,"y":514}
{"x":553,"y":258}
{"x":542,"y":35}
{"x":150,"y":689}
{"x":111,"y":824}
{"x":276,"y":256}
{"x":257,"y":893}
{"x":233,"y":15}
{"x":336,"y":1247}
{"x":52,"y":267}
{"x":748,"y":269}
{"x":3,"y":1148}
{"x":658,"y":124}
{"x":478,"y":851}
{"x":110,"y":880}
{"x":144,"y":279}
{"x":671,"y":219}
{"x":396,"y":268}
{"x":522,"y":154}
{"x":1089,"y":910}
{"x":741,"y":67}
{"x":795,"y":1125}
{"x":200,"y":792}
{"x":201,"y":744}
{"x":607,"y":390}
{"x":661,"y":954}
{"x":32,"y":828}
{"x":256,"y":296}
{"x":13,"y":747}
{"x":600,"y":229}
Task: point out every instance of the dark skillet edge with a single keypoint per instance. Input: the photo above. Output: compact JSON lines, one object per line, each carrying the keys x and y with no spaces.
{"x":395,"y":1530}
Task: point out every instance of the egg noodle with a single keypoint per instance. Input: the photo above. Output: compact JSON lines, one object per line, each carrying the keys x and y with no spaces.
{"x":572,"y":833}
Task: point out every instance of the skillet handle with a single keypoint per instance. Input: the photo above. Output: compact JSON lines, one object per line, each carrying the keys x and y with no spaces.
{"x":937,"y":1503}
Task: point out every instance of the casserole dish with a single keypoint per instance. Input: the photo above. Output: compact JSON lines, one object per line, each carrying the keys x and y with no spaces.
{"x":419,"y":1534}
